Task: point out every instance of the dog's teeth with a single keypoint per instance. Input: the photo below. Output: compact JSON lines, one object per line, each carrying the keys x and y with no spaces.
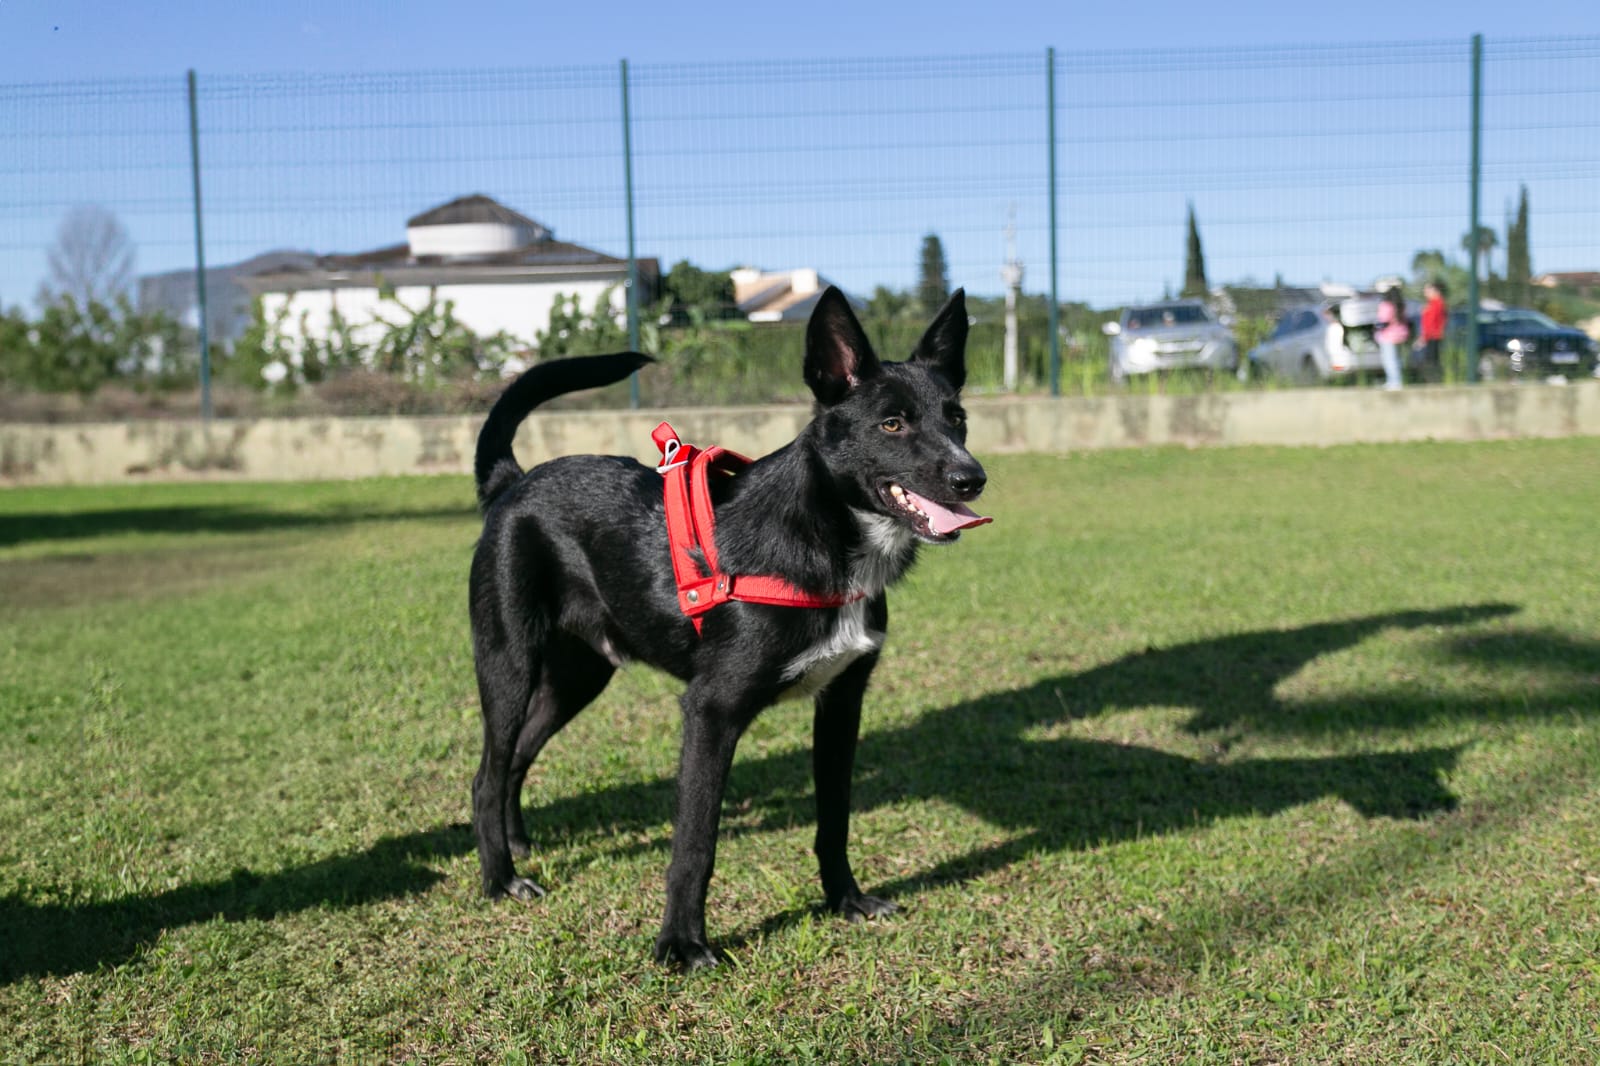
{"x":896,"y":491}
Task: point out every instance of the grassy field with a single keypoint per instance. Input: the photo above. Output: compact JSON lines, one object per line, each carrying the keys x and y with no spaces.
{"x":1251,"y":755}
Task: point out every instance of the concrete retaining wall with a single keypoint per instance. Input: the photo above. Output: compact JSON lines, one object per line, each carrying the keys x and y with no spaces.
{"x":306,"y":448}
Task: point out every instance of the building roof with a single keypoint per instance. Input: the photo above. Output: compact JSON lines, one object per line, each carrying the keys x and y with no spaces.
{"x":544,"y":253}
{"x":394,"y":266}
{"x":476,"y":208}
{"x":1582,"y":279}
{"x":779,"y":296}
{"x":273,"y":260}
{"x":540,"y":257}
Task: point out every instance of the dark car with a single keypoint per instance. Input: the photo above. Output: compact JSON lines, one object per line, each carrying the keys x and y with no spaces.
{"x":1518,"y":342}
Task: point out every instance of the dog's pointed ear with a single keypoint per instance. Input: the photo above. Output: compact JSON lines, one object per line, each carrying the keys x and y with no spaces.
{"x":944,"y":345}
{"x":838,"y":355}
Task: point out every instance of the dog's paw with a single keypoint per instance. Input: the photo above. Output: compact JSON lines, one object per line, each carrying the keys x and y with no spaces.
{"x":693,"y":954}
{"x":525,"y":889}
{"x":859,"y":906}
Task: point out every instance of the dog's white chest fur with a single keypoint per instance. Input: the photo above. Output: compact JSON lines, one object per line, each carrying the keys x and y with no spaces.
{"x":849,"y":640}
{"x":886,"y":543}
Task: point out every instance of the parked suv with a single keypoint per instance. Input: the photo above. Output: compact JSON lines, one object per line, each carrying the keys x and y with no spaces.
{"x":1315,"y":342}
{"x":1177,"y":335}
{"x":1517,"y":342}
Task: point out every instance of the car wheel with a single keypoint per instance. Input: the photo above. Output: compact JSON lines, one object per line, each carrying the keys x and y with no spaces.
{"x":1494,"y":365}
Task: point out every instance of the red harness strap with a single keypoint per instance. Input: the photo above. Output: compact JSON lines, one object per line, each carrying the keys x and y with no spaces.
{"x":686,"y":474}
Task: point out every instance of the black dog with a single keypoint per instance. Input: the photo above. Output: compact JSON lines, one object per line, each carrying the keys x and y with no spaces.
{"x":573,"y":576}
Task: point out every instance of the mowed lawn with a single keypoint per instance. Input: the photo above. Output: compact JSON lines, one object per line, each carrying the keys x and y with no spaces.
{"x":1244,"y":755}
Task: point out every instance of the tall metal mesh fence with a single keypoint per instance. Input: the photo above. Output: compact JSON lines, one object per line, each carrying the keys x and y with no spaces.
{"x":844,"y":166}
{"x":1541,"y":127}
{"x":338,"y":163}
{"x":1303,"y":165}
{"x":122,"y":145}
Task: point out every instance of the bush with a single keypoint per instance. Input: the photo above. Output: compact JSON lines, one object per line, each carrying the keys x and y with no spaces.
{"x":76,"y":347}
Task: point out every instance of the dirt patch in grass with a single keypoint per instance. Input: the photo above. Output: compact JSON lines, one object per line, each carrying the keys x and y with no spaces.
{"x":78,"y":579}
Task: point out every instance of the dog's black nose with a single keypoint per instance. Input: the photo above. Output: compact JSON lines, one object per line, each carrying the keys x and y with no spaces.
{"x":966,"y":484}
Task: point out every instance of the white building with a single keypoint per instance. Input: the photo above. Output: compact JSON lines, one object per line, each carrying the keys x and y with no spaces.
{"x":778,"y":295}
{"x":501,"y":269}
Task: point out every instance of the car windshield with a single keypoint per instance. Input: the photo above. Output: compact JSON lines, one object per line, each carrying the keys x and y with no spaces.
{"x":1163,"y":315}
{"x":1520,"y":319}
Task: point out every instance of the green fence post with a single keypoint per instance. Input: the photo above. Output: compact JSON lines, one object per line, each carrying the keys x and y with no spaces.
{"x":1055,"y":296}
{"x":1476,"y":179}
{"x":633,"y":262}
{"x":199,"y":254}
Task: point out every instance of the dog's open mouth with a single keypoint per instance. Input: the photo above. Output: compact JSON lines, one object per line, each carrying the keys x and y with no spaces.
{"x":928,"y":519}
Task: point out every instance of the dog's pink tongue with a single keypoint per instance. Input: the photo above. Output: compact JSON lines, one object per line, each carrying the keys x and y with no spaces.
{"x":942,"y":519}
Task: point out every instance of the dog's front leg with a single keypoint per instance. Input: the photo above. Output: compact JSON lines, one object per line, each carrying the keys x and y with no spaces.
{"x":836,"y":724}
{"x":712,"y":725}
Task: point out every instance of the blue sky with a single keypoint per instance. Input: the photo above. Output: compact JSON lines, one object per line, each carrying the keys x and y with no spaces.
{"x":1301,"y":168}
{"x":71,"y":39}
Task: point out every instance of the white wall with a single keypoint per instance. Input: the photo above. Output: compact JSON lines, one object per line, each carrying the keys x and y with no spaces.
{"x":520,"y":309}
{"x":468,"y":238}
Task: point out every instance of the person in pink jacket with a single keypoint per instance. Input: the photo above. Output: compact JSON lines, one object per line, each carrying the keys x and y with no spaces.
{"x":1393,"y":331}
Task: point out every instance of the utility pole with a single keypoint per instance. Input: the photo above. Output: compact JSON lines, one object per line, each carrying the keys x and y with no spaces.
{"x":1011,"y":274}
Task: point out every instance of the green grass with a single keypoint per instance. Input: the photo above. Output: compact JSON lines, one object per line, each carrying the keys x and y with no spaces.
{"x":1251,"y":755}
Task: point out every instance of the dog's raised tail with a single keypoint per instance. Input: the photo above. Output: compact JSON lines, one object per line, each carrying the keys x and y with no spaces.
{"x":495,"y":466}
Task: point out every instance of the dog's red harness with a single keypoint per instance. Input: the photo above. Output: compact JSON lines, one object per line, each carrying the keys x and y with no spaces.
{"x":686,"y":474}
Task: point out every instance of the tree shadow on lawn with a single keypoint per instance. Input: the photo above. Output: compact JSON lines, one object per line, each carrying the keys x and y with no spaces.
{"x":30,"y":526}
{"x":984,"y":755}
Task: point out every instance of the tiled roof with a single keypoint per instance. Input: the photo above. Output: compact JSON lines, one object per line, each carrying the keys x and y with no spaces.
{"x":474,"y":208}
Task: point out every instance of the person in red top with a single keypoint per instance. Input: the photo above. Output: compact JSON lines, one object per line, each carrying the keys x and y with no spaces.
{"x":1434,"y":315}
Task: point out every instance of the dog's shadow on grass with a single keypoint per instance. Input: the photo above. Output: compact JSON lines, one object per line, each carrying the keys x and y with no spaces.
{"x":1015,"y":760}
{"x":1010,"y":758}
{"x":48,"y":937}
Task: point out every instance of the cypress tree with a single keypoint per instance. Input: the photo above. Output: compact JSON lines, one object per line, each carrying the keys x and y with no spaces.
{"x":933,"y":285}
{"x":1519,"y":263}
{"x":1194,"y":267}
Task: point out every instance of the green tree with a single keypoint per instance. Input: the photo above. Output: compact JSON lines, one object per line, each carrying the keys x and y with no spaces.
{"x":1487,"y":242}
{"x":887,"y":303}
{"x":688,"y":289}
{"x":1519,"y":264}
{"x":933,"y":280}
{"x":263,"y":343}
{"x":429,"y":345}
{"x":1427,"y":264}
{"x":77,"y":347}
{"x":16,"y":348}
{"x":1194,"y":263}
{"x":571,"y":331}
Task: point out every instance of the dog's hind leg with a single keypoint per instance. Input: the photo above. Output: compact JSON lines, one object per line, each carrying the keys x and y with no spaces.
{"x":574,"y":674}
{"x":505,"y":687}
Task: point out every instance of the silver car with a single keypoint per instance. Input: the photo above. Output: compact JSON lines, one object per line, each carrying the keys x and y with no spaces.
{"x":1178,"y":335}
{"x":1315,"y":342}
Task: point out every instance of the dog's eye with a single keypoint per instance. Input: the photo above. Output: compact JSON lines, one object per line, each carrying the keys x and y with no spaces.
{"x":958,"y":419}
{"x":892,"y":425}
